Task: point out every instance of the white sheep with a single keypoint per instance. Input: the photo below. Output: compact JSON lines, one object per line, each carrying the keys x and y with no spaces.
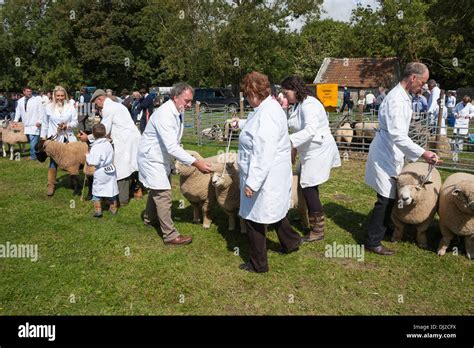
{"x":344,"y":133}
{"x":227,"y":188}
{"x":417,"y":201}
{"x":197,"y":188}
{"x":456,"y":212}
{"x":365,"y":131}
{"x":12,"y":134}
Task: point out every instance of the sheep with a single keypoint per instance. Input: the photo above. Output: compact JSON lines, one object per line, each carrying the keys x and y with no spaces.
{"x":197,"y":188}
{"x":13,"y":133}
{"x":456,"y":212}
{"x":297,"y":200}
{"x":365,"y":131}
{"x":227,"y":189}
{"x":417,"y":202}
{"x":68,"y":156}
{"x":344,"y":132}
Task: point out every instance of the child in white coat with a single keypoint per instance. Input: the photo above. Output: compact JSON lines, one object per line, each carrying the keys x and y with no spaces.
{"x":105,"y":177}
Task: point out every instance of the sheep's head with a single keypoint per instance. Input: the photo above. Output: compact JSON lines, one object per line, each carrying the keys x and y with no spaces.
{"x":410,"y":188}
{"x":463,"y":196}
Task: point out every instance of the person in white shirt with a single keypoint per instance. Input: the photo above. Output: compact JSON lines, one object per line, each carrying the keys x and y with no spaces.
{"x":390,"y":147}
{"x":318,"y":151}
{"x":369,"y":101}
{"x":104,"y":185}
{"x":30,"y":110}
{"x":463,"y":113}
{"x":432,"y":102}
{"x":264,"y":160}
{"x":60,"y":118}
{"x":439,"y":104}
{"x":159,"y":147}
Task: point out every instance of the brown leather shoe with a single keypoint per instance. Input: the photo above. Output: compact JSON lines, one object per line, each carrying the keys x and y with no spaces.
{"x":180,"y":240}
{"x":381,"y":250}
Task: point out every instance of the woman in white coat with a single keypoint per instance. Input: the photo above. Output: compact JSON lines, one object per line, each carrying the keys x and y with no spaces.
{"x":58,"y":122}
{"x":313,"y":140}
{"x":105,"y":177}
{"x":265,"y":172}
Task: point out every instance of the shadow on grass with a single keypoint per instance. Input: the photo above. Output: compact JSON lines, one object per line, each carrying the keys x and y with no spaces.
{"x":349,"y":220}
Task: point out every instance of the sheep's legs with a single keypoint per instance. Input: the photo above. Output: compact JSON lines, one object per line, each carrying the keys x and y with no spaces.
{"x":196,"y":213}
{"x":469,"y":244}
{"x":206,"y":215}
{"x":445,"y":240}
{"x":4,"y":153}
{"x":398,"y":231}
{"x":422,"y":233}
{"x":11,"y":153}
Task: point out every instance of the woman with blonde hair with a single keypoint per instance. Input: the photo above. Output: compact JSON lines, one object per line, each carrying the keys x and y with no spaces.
{"x":60,"y":118}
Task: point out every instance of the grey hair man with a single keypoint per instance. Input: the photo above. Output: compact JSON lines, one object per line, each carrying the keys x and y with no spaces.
{"x":159,"y":147}
{"x":390,"y":148}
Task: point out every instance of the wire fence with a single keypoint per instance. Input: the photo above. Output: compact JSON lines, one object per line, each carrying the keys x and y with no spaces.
{"x":353,"y":133}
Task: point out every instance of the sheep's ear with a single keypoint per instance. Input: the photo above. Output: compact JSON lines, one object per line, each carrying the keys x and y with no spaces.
{"x":456,"y":192}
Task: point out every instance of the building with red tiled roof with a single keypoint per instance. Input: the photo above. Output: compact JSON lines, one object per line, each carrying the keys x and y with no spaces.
{"x":360,"y":73}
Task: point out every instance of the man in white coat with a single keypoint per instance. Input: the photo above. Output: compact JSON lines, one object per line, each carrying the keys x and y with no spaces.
{"x":389,"y":149}
{"x":435,"y":93}
{"x":463,"y":113}
{"x":159,"y":147}
{"x":31,"y":112}
{"x":125,"y":137}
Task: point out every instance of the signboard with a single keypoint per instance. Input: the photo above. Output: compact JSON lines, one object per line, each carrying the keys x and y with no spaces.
{"x":327,"y":93}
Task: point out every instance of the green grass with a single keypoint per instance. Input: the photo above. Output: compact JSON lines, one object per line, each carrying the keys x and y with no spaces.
{"x":86,"y":258}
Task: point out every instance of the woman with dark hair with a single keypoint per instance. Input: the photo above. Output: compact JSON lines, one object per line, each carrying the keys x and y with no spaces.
{"x":318,"y":151}
{"x":265,"y":172}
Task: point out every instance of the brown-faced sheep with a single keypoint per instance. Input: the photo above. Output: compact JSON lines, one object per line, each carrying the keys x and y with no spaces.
{"x":416,"y":202}
{"x":456,"y":212}
{"x":13,"y":133}
{"x":68,"y":156}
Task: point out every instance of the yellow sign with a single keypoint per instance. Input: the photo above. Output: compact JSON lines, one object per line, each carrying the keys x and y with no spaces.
{"x":327,"y":94}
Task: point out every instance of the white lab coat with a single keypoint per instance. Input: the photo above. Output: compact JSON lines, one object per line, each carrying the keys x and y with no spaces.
{"x":314,"y":142}
{"x":33,"y":115}
{"x":465,"y":113}
{"x":53,"y":117}
{"x":433,"y":99}
{"x":391,"y":143}
{"x":160,"y":146}
{"x":265,"y":164}
{"x":105,"y":177}
{"x":125,"y":136}
{"x":443,"y":119}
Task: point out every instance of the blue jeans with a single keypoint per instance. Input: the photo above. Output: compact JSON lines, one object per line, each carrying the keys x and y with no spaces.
{"x":52,"y":164}
{"x":98,"y":199}
{"x":33,"y":139}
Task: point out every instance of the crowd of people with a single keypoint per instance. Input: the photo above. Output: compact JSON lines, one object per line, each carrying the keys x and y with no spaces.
{"x":270,"y":141}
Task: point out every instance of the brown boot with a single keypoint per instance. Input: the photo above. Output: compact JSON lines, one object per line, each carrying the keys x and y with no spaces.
{"x":138,"y":193}
{"x":316,"y":222}
{"x":51,"y":181}
{"x":97,"y":209}
{"x":113,"y":207}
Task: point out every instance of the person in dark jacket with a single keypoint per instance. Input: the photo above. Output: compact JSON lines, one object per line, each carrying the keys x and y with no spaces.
{"x":146,"y":105}
{"x":3,"y":105}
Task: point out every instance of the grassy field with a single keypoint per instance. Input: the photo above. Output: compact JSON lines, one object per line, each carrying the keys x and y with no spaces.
{"x":116,"y":266}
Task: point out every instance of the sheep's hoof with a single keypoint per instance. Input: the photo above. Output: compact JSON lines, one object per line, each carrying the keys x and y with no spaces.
{"x":423,"y":246}
{"x":206,"y":225}
{"x":441,"y":252}
{"x":469,"y":256}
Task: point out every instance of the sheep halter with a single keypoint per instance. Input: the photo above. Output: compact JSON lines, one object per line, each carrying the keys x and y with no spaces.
{"x":428,"y":176}
{"x":227,"y":152}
